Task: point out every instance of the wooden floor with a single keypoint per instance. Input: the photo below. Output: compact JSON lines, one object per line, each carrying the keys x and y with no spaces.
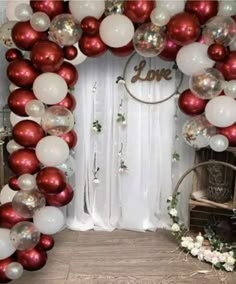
{"x":122,"y":257}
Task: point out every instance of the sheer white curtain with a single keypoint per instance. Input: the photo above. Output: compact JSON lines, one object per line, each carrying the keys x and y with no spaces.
{"x":134,"y":199}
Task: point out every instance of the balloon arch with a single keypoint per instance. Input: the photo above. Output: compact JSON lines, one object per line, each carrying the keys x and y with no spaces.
{"x":50,"y":38}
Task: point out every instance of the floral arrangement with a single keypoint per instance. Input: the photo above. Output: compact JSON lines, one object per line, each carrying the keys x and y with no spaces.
{"x":209,"y":249}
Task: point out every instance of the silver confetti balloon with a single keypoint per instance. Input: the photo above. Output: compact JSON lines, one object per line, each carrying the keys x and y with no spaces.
{"x":64,"y":30}
{"x":14,"y":270}
{"x":197,"y":132}
{"x":25,"y":203}
{"x":24,"y":236}
{"x":149,"y":40}
{"x":114,"y":7}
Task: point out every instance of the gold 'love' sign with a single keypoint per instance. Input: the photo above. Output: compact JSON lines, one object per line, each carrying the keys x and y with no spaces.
{"x":152,"y":75}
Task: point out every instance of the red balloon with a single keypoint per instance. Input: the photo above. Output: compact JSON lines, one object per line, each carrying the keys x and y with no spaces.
{"x":217,"y":52}
{"x":51,"y":180}
{"x":51,"y":7}
{"x":92,"y":46}
{"x":68,"y":102}
{"x":9,"y":217}
{"x":31,"y":260}
{"x":183,"y":28}
{"x":22,"y":73}
{"x":13,"y":54}
{"x":24,"y":161}
{"x":18,"y":100}
{"x":60,"y":199}
{"x":70,"y":52}
{"x":69,"y":73}
{"x":138,"y":10}
{"x":170,"y":51}
{"x":203,"y":9}
{"x":190,"y":104}
{"x":47,"y":56}
{"x":124,"y":50}
{"x":24,"y":36}
{"x":230,"y":133}
{"x":3,"y":266}
{"x":90,"y":25}
{"x":228,"y":67}
{"x":27,"y":133}
{"x":70,"y":138}
{"x":13,"y":183}
{"x":45,"y":243}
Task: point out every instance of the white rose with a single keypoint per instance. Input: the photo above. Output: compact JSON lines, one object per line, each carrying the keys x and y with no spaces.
{"x":222,"y":258}
{"x":194,"y":251}
{"x":230,"y":260}
{"x":190,"y":246}
{"x":197,"y":245}
{"x":187,"y":239}
{"x":170,"y":198}
{"x":175,"y":227}
{"x":228,"y":267}
{"x":173,"y":212}
{"x":184,"y":244}
{"x":214,"y":260}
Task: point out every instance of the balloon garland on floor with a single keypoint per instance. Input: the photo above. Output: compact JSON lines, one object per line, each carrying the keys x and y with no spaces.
{"x":45,"y":40}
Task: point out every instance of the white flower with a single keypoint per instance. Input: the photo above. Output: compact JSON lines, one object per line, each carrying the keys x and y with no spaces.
{"x":201,"y":254}
{"x":194,"y":251}
{"x":197,"y":245}
{"x":231,"y":253}
{"x":175,"y":227}
{"x":190,"y":245}
{"x":222,"y":258}
{"x":184,"y":244}
{"x":214,"y":260}
{"x":173,"y":212}
{"x":94,"y":129}
{"x":228,"y":267}
{"x":230,"y":260}
{"x":187,"y":239}
{"x":170,"y":198}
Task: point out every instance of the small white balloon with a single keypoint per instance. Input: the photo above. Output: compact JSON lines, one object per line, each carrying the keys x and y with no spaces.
{"x":26,"y":182}
{"x":6,"y":246}
{"x":116,"y":30}
{"x":11,"y":7}
{"x":160,"y":16}
{"x":13,"y":87}
{"x":80,"y":58}
{"x":173,"y":6}
{"x":14,"y":118}
{"x":14,"y":270}
{"x":230,"y":88}
{"x":219,"y":143}
{"x":23,"y":12}
{"x":12,"y":146}
{"x":227,"y":8}
{"x":49,"y":220}
{"x":7,"y":194}
{"x":220,"y":111}
{"x":35,"y":108}
{"x":40,"y":21}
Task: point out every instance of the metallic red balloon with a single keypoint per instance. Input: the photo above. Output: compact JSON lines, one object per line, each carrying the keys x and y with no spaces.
{"x":68,"y":102}
{"x":124,"y":50}
{"x":13,"y":54}
{"x":47,"y":56}
{"x":217,"y":52}
{"x":138,"y":10}
{"x":45,"y":243}
{"x":9,"y":217}
{"x":70,"y":52}
{"x":90,"y":25}
{"x":60,"y":199}
{"x":203,"y":9}
{"x":92,"y":46}
{"x":230,"y":133}
{"x":31,"y":260}
{"x":190,"y":104}
{"x":228,"y":67}
{"x":22,"y":73}
{"x":24,"y":161}
{"x":170,"y":51}
{"x":13,"y":183}
{"x":51,"y":7}
{"x":51,"y":180}
{"x":24,"y":36}
{"x":69,"y":73}
{"x":183,"y":28}
{"x":18,"y":100}
{"x":27,"y":133}
{"x":3,"y":266}
{"x":70,"y":138}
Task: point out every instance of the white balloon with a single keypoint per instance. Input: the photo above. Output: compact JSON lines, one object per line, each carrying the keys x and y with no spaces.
{"x":227,"y":8}
{"x":116,"y":30}
{"x":40,"y":21}
{"x":82,"y":9}
{"x":6,"y":194}
{"x":52,"y":151}
{"x":35,"y":108}
{"x":193,"y":58}
{"x":6,"y":246}
{"x":26,"y":182}
{"x":14,"y":119}
{"x":12,"y":146}
{"x":13,"y":87}
{"x":50,"y":88}
{"x":173,"y":6}
{"x":230,"y":88}
{"x":219,"y":143}
{"x":220,"y":111}
{"x":80,"y":58}
{"x":14,"y":270}
{"x":160,"y":16}
{"x":11,"y":6}
{"x":49,"y":220}
{"x":23,"y":12}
